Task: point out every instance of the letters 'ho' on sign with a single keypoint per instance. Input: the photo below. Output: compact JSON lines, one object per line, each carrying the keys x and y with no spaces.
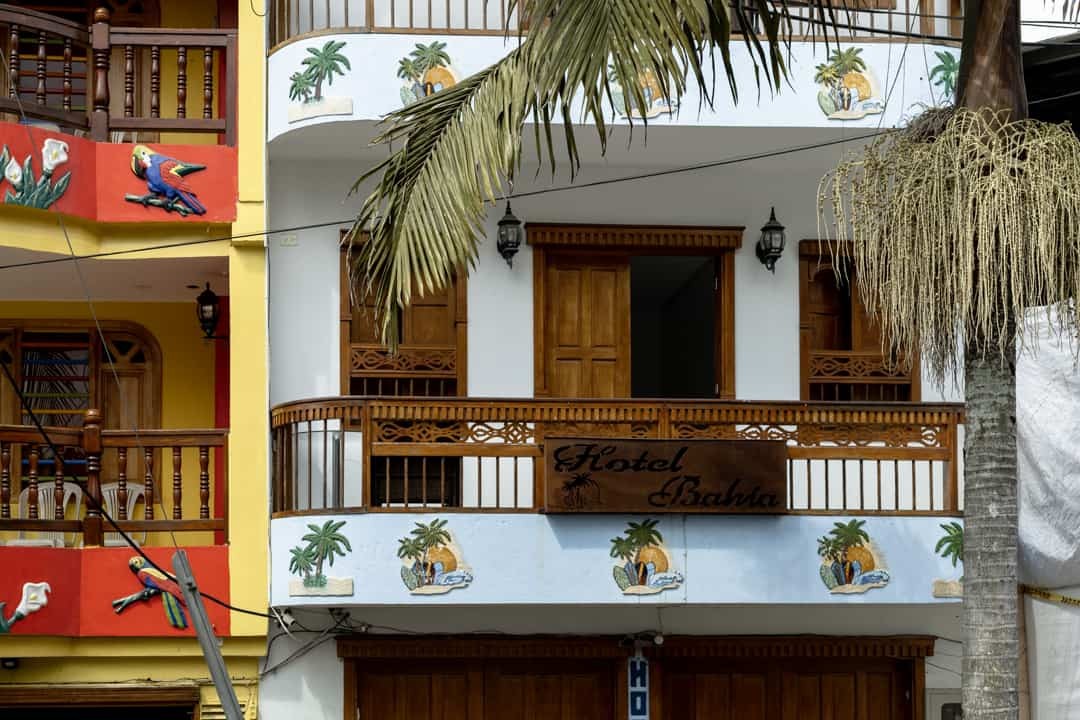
{"x":637,"y":676}
{"x":584,"y":475}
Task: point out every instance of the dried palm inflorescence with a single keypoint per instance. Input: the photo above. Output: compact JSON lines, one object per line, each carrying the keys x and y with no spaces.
{"x":957,"y":224}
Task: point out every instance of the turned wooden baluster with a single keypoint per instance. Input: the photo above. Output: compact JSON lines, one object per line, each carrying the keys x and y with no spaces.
{"x":5,"y":480}
{"x":155,"y":81}
{"x":93,"y":534}
{"x":99,"y":41}
{"x":42,"y":65}
{"x":208,"y":83}
{"x":181,"y":82}
{"x":129,"y":81}
{"x":58,"y":486}
{"x":148,"y":483}
{"x":13,"y":62}
{"x":121,"y":483}
{"x":177,"y":485}
{"x":31,"y":479}
{"x":204,"y":482}
{"x":65,"y":101}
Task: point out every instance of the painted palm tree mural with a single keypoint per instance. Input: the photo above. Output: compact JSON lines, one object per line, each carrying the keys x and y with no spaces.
{"x":309,"y":561}
{"x":644,"y":566}
{"x":432,"y":564}
{"x":650,"y":103}
{"x":318,"y":68}
{"x":425,"y":71}
{"x":849,"y":561}
{"x":951,"y":547}
{"x":944,"y":75}
{"x":849,"y":90}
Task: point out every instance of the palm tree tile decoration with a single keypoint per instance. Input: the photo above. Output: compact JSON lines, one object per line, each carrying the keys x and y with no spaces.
{"x":431,"y":567}
{"x":308,"y":561}
{"x":644,"y":567}
{"x":992,"y":236}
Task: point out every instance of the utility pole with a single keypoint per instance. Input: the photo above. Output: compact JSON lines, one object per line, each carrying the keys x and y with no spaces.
{"x":211,"y":652}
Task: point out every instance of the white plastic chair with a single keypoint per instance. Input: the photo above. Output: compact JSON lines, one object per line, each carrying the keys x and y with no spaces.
{"x":110,"y":498}
{"x":47,"y":511}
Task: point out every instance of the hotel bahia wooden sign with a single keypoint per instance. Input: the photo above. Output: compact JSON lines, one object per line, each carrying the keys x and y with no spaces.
{"x":665,"y":476}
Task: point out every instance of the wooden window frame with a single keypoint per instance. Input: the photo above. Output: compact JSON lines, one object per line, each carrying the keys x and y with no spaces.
{"x":461,"y":324}
{"x":564,"y":239}
{"x":151,"y":409}
{"x":819,"y":252}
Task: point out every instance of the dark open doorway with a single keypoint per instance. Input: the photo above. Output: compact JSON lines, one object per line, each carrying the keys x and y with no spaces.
{"x":673,"y":326}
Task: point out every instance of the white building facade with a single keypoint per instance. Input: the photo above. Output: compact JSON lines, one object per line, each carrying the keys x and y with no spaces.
{"x":443,"y":560}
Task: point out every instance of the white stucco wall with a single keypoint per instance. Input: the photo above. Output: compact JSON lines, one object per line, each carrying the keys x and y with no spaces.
{"x":304,"y":264}
{"x":372,"y":88}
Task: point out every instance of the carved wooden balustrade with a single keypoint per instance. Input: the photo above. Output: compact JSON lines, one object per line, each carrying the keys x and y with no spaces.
{"x":167,"y":476}
{"x":856,"y":375}
{"x":300,"y":18}
{"x":58,"y":71}
{"x":417,"y":454}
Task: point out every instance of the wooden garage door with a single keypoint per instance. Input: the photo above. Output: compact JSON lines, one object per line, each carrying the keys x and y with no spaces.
{"x":486,"y":690}
{"x":823,"y":690}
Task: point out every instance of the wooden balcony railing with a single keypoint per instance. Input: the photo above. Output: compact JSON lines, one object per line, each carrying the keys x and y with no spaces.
{"x":291,"y":19}
{"x":63,"y":73}
{"x":479,"y":455}
{"x":155,"y":472}
{"x":857,"y":375}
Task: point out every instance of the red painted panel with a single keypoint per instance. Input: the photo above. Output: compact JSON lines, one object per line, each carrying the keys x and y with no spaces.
{"x":215,"y":187}
{"x":84,"y":583}
{"x":100,"y":175}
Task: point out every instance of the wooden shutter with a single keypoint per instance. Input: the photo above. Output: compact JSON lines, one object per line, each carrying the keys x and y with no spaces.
{"x":431,"y":358}
{"x":587,"y":327}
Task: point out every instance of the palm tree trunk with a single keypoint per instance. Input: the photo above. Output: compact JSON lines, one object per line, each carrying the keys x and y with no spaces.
{"x":991,"y":641}
{"x":991,"y":76}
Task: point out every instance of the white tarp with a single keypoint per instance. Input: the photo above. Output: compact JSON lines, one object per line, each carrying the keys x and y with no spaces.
{"x":1048,"y":456}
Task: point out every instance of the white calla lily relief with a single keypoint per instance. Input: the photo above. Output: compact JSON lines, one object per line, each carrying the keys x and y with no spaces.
{"x":35,"y":596}
{"x":53,"y":154}
{"x":13,"y":172}
{"x":28,"y":191}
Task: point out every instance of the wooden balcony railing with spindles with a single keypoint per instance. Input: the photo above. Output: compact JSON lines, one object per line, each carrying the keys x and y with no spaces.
{"x":148,"y":462}
{"x":872,"y":20}
{"x":59,"y":72}
{"x":484,"y":455}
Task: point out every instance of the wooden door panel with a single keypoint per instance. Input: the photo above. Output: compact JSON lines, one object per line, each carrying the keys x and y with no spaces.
{"x":713,"y":698}
{"x":748,"y":697}
{"x":414,"y":695}
{"x":542,"y":691}
{"x":838,"y":696}
{"x":568,"y":378}
{"x":880,"y":696}
{"x":604,"y":308}
{"x":567,"y":308}
{"x":587,"y":327}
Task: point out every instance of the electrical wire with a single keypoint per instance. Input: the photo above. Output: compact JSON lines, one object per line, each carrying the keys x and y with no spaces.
{"x":41,"y":428}
{"x":528,"y":193}
{"x":36,"y":422}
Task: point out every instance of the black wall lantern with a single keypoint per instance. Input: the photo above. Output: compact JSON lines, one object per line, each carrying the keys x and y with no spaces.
{"x":509,"y":240}
{"x":770,"y":246}
{"x":208,"y":311}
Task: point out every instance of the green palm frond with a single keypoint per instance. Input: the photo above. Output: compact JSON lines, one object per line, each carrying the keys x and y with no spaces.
{"x":454,"y":149}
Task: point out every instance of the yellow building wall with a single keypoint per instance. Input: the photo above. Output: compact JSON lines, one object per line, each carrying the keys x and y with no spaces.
{"x":187,"y":384}
{"x":133,"y":662}
{"x":187,"y":369}
{"x":249,"y":500}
